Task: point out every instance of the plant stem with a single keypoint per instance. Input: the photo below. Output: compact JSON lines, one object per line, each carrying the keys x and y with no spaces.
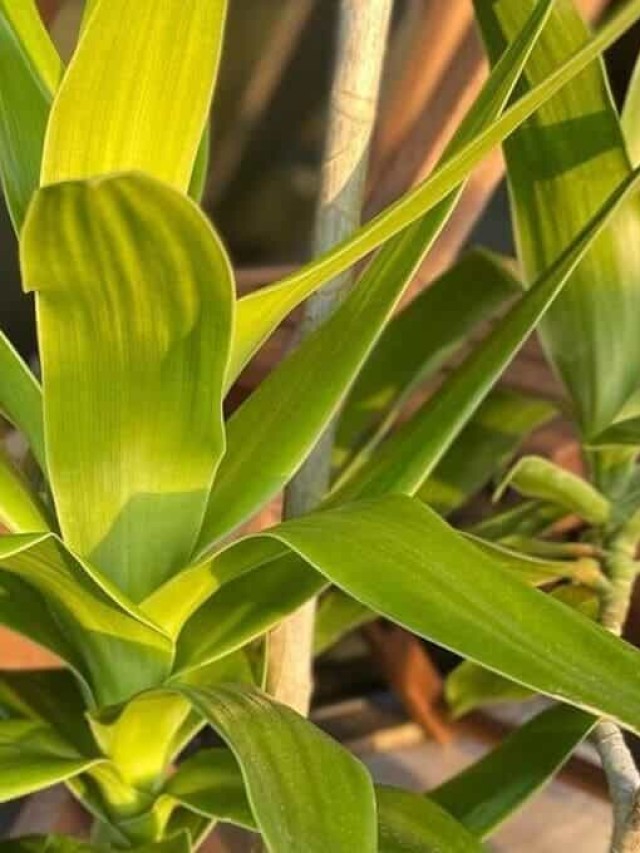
{"x":362,"y":37}
{"x":622,"y":774}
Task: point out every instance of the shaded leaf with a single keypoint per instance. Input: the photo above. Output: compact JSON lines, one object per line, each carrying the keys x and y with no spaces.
{"x":411,"y":454}
{"x":30,"y":71}
{"x":261,"y":312}
{"x":416,"y":343}
{"x":20,"y":510}
{"x":21,"y":398}
{"x":338,"y":614}
{"x":562,"y":164}
{"x":485,"y":794}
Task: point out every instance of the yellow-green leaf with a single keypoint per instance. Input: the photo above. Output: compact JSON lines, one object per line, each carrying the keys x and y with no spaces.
{"x":134,"y":300}
{"x":137,"y":92}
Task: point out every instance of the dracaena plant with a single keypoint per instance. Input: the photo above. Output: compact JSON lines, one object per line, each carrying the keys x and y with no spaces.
{"x":122,"y":555}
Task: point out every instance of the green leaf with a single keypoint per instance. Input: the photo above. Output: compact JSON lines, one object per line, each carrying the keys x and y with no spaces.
{"x":201,"y":167}
{"x":562,"y":165}
{"x":529,"y":518}
{"x":470,"y":686}
{"x":30,"y":71}
{"x":284,"y":760}
{"x":134,"y":299}
{"x":104,"y":121}
{"x":261,"y":312}
{"x":178,"y":843}
{"x":20,"y":510}
{"x":75,"y":612}
{"x":399,"y":558}
{"x":416,"y":343}
{"x":536,"y":477}
{"x":626,"y":432}
{"x":210,"y":783}
{"x":299,"y":397}
{"x":411,"y":454}
{"x":33,"y":757}
{"x":52,"y":696}
{"x":338,"y":614}
{"x":483,"y":447}
{"x":631,"y":116}
{"x":21,"y":398}
{"x":317,"y":376}
{"x":485,"y":794}
{"x":413,"y":824}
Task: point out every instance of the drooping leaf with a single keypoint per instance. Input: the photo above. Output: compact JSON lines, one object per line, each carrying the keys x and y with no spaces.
{"x":562,"y":164}
{"x":211,"y":784}
{"x":470,"y":686}
{"x":489,"y":791}
{"x":78,"y":615}
{"x":284,"y":761}
{"x":21,"y":398}
{"x":261,"y":312}
{"x":52,"y":696}
{"x":483,"y":447}
{"x":412,"y":824}
{"x":417,"y":342}
{"x":134,"y":300}
{"x":20,"y":510}
{"x":536,"y":477}
{"x":30,"y":71}
{"x":104,"y":120}
{"x":400,"y":559}
{"x":404,"y":462}
{"x":33,"y":757}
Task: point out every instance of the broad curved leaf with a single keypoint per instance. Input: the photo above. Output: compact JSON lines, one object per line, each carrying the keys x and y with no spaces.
{"x":30,"y":70}
{"x":21,"y":398}
{"x":135,"y":300}
{"x":415,"y":344}
{"x":562,"y":164}
{"x":489,"y":791}
{"x":284,"y":760}
{"x":261,"y":312}
{"x":404,"y":462}
{"x":401,"y":560}
{"x":103,"y":120}
{"x":211,"y":784}
{"x":78,"y":616}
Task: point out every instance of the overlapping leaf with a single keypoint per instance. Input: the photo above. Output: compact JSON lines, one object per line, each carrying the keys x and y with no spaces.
{"x":134,"y":298}
{"x":562,"y":164}
{"x":261,"y":312}
{"x":284,"y":761}
{"x":21,"y":398}
{"x":30,"y":70}
{"x":20,"y":509}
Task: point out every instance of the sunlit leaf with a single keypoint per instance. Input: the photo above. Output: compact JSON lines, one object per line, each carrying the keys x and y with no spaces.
{"x":134,"y":300}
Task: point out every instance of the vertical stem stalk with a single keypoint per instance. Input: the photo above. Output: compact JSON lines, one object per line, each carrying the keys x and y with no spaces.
{"x":362,"y":37}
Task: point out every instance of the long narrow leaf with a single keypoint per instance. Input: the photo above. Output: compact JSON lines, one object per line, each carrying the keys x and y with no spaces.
{"x":261,"y":312}
{"x":134,"y":300}
{"x":30,"y":70}
{"x":492,"y":789}
{"x":562,"y":165}
{"x":21,"y":398}
{"x":411,"y":454}
{"x":20,"y":510}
